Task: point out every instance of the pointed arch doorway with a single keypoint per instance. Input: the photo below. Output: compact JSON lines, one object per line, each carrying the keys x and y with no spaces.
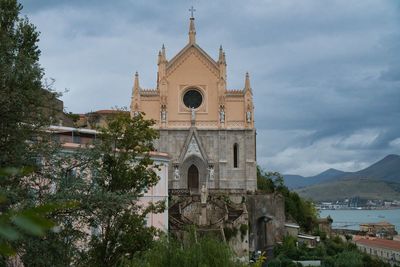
{"x":193,"y":178}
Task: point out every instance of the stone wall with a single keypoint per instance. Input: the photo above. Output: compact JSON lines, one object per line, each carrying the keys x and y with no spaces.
{"x":224,"y":216}
{"x":266,"y":214}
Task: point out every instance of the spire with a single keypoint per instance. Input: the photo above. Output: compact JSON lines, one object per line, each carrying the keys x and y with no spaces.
{"x":221,"y":58}
{"x":135,"y":99}
{"x":136,"y":85}
{"x":161,"y":55}
{"x":222,"y":64}
{"x":247,"y":86}
{"x":159,"y":58}
{"x":163,"y":52}
{"x":192,"y":32}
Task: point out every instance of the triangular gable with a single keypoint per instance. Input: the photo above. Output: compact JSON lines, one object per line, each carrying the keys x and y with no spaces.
{"x":183,"y":54}
{"x":193,"y":147}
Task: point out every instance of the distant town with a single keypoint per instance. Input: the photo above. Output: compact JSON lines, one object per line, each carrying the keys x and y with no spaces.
{"x":358,"y":203}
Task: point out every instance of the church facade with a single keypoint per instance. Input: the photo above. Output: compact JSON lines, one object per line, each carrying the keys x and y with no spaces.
{"x":208,"y":132}
{"x":206,"y":128}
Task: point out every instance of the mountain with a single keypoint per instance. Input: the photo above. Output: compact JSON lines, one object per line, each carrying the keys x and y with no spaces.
{"x":381,"y":180}
{"x":298,"y":181}
{"x":342,"y":189}
{"x":387,"y":169}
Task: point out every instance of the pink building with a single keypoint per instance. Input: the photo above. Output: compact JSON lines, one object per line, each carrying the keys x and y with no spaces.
{"x":158,"y":192}
{"x":73,"y":138}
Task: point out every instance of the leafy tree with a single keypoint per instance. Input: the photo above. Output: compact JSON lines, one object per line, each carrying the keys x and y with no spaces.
{"x":106,"y":179}
{"x":123,"y":175}
{"x":333,"y":252}
{"x":288,"y":248}
{"x":264,"y":181}
{"x":25,"y":109}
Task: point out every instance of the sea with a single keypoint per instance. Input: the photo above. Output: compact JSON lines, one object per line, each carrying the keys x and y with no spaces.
{"x":351,"y":219}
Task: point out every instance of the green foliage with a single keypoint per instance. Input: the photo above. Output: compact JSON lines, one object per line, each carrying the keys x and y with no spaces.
{"x":296,"y":208}
{"x":374,"y":262}
{"x":332,"y":252}
{"x":302,"y":211}
{"x":169,"y":252}
{"x":16,"y":224}
{"x":259,"y":262}
{"x":243,"y":230}
{"x":288,"y":248}
{"x":264,"y":182}
{"x":225,"y":198}
{"x":126,"y":236}
{"x":74,"y":117}
{"x":25,"y":107}
{"x":106,"y":179}
{"x":230,"y":232}
{"x":283,"y":262}
{"x":348,"y":258}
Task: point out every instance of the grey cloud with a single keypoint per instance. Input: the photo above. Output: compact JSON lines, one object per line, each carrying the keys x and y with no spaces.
{"x":324,"y":74}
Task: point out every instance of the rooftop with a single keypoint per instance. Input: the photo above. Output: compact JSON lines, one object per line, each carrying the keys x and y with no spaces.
{"x":109,"y":111}
{"x":377,"y":223}
{"x":380,"y":243}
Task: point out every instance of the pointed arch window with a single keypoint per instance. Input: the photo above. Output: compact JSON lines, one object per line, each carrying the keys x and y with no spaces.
{"x":235,"y":155}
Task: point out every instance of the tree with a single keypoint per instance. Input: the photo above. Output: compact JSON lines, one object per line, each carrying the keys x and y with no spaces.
{"x":124,"y":174}
{"x":105,"y":179}
{"x":264,"y":182}
{"x":333,"y":252}
{"x":25,"y":108}
{"x":95,"y":188}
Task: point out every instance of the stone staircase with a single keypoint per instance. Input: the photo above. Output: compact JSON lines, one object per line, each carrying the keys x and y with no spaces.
{"x":228,"y":213}
{"x":233,"y":213}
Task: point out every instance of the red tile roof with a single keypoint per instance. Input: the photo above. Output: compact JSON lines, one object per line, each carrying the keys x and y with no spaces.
{"x":378,"y":223}
{"x":381,"y":243}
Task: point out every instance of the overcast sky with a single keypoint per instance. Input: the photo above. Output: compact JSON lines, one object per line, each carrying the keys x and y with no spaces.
{"x":325,"y":74}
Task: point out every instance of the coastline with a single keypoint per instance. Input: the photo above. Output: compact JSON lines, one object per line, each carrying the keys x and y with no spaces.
{"x":352,"y":218}
{"x":361,"y":208}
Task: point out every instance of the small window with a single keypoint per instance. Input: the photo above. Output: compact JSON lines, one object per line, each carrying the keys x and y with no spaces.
{"x":235,"y":155}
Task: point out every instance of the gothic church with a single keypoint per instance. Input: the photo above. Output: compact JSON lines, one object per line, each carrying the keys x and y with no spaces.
{"x":207,"y":129}
{"x":208,"y":132}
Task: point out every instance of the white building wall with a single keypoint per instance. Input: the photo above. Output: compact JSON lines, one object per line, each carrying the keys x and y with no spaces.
{"x":158,"y":193}
{"x":387,"y":255}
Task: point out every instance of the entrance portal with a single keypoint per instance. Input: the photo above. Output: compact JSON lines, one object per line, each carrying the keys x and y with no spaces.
{"x":193,"y":178}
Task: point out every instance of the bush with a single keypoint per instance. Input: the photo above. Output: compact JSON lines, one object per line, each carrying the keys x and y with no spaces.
{"x":170,"y":252}
{"x":348,"y":258}
{"x":230,"y":232}
{"x":243,"y":230}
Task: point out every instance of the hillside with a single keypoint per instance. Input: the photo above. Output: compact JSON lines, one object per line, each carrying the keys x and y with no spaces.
{"x":298,"y":181}
{"x":387,"y":169}
{"x":381,"y":180}
{"x":364,"y":188}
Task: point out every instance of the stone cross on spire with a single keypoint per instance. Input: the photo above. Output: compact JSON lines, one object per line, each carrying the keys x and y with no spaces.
{"x":192,"y":30}
{"x":192,"y":10}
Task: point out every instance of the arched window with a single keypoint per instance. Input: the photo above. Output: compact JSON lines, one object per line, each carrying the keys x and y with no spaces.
{"x":235,"y":155}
